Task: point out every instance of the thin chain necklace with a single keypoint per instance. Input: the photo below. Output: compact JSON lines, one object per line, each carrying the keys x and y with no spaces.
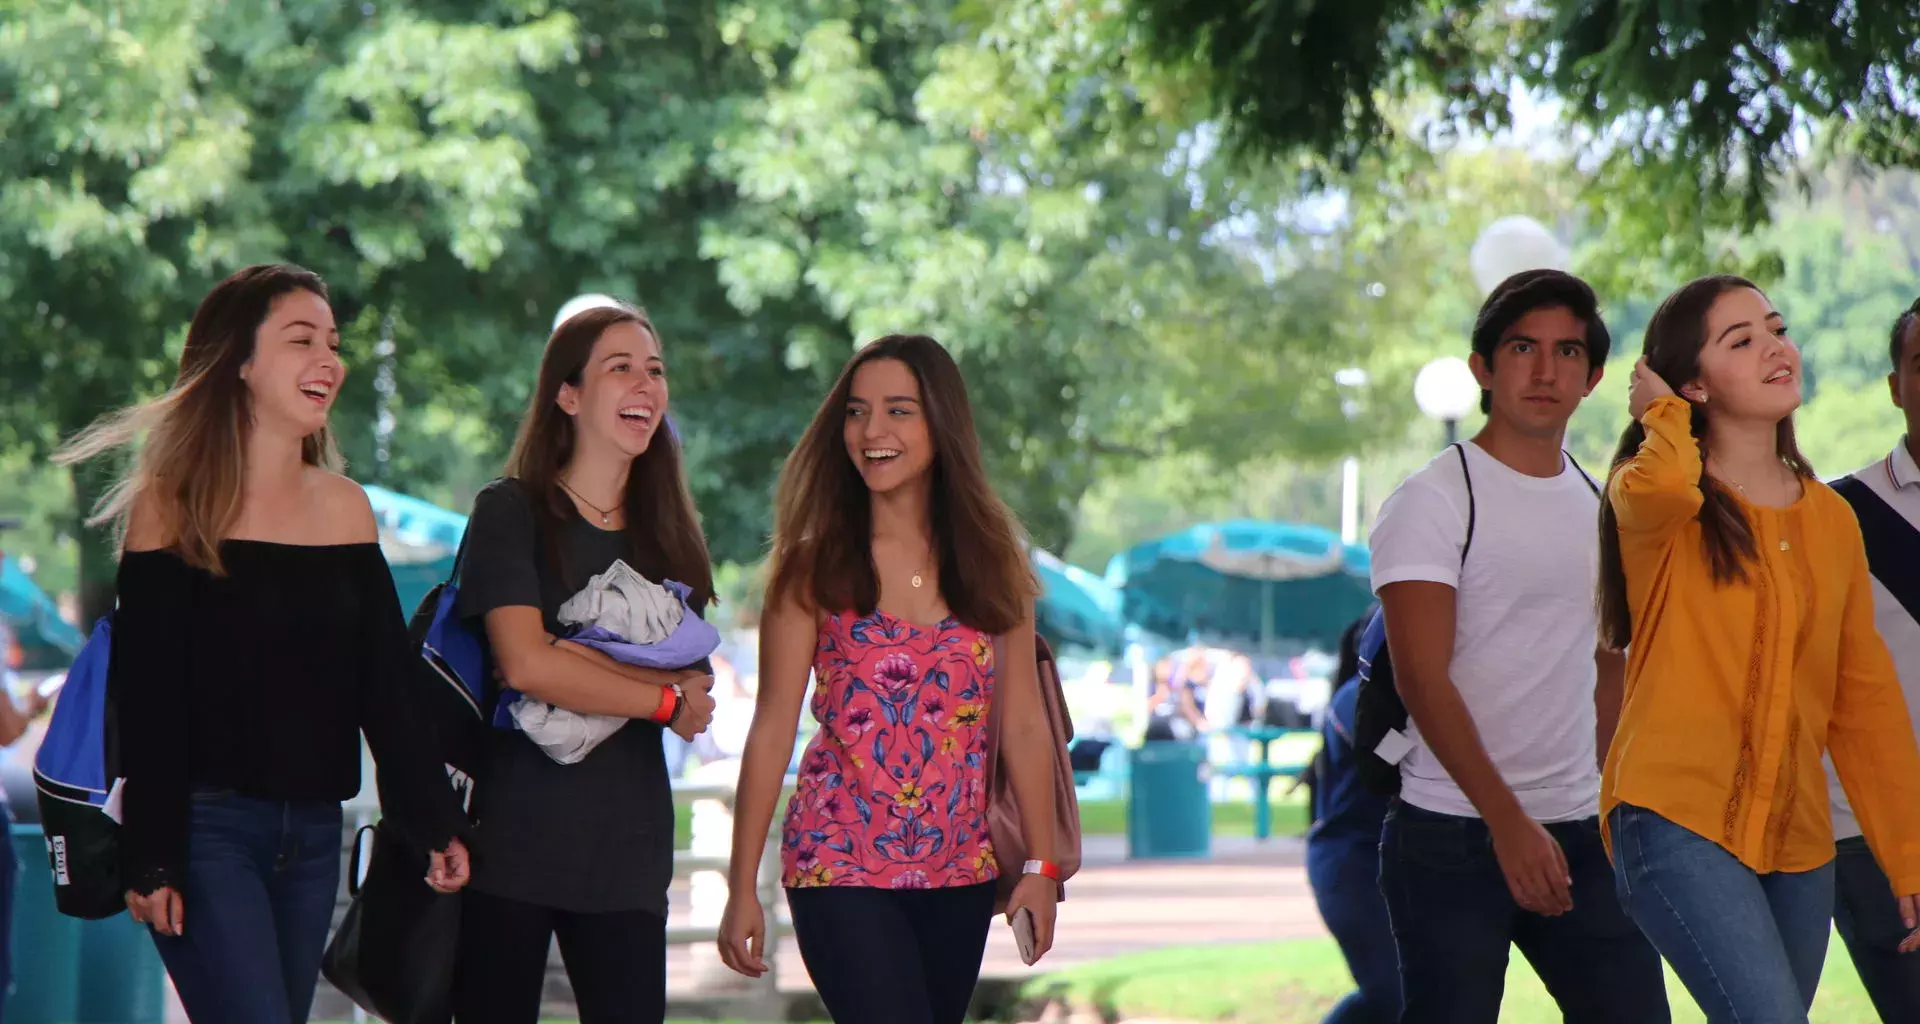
{"x":606,"y":514}
{"x":1742,"y":488}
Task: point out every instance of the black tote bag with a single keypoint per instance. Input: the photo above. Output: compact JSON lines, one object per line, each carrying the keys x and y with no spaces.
{"x":393,"y":953}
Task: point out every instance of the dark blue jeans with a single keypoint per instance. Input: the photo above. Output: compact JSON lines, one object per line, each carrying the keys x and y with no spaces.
{"x":1749,"y":947}
{"x":1454,"y":920}
{"x":1344,"y":872}
{"x":1868,"y":916}
{"x":893,"y":956}
{"x":261,"y":880}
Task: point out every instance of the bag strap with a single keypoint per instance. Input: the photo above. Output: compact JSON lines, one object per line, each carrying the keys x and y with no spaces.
{"x":1467,"y":475}
{"x":1592,"y":484}
{"x":1893,"y":543}
{"x":354,"y":863}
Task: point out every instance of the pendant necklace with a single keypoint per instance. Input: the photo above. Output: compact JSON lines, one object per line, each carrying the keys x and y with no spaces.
{"x":1784,"y":545}
{"x":606,"y":514}
{"x":916,"y":581}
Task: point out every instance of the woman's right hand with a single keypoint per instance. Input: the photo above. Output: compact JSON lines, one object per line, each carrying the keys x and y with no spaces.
{"x":1645,"y":386}
{"x":163,"y":909}
{"x":743,"y":937}
{"x":698,"y":712}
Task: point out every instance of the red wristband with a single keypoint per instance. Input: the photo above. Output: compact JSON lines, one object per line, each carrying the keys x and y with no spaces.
{"x":668,"y":698}
{"x":1044,"y":868}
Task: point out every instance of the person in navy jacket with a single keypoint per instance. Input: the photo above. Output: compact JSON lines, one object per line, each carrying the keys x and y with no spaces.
{"x":1343,"y":849}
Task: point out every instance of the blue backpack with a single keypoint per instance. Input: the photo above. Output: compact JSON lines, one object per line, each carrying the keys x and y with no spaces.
{"x":76,"y":778}
{"x":459,"y":709}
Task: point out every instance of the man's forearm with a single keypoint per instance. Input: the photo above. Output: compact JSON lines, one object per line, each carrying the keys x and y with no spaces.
{"x":1447,"y":727}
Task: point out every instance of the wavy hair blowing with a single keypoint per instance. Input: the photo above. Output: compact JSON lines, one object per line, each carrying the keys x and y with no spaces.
{"x":659,"y":507}
{"x":191,"y":465}
{"x":823,"y":518}
{"x":1674,"y":339}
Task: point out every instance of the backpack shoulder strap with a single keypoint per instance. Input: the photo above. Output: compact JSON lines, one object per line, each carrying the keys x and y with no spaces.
{"x":1893,"y":542}
{"x":1467,"y":475}
{"x":1592,"y":484}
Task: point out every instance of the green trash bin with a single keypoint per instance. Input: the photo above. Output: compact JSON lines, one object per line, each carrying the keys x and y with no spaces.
{"x":46,"y":943}
{"x":1168,"y":812}
{"x":69,"y":971}
{"x":122,"y":980}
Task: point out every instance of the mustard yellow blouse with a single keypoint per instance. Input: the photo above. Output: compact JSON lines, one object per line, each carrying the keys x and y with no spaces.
{"x":1734,"y":692}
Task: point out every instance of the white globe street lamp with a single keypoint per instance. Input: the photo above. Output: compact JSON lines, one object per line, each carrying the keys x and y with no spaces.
{"x":1446,"y":391}
{"x":580,"y":304}
{"x":1510,"y":245}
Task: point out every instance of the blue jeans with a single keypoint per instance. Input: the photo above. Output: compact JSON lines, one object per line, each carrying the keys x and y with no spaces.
{"x":1868,"y":916}
{"x":1749,"y":947}
{"x":1454,"y":920}
{"x":1345,"y":876}
{"x":261,"y":880}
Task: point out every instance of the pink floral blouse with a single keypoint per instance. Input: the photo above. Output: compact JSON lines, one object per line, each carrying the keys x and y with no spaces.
{"x":891,"y":791}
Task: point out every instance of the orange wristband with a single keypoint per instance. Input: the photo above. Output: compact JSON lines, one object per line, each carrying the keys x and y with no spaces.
{"x":669,"y":698}
{"x":1044,"y":868}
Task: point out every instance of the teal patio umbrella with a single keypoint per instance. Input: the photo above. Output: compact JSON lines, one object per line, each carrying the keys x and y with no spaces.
{"x":420,"y":540}
{"x":1075,"y":607}
{"x":1262,"y":586}
{"x":46,"y":640}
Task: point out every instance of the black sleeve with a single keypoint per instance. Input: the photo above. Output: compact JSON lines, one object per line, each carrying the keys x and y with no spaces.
{"x":147,"y":676}
{"x":500,"y":568}
{"x":415,"y":794}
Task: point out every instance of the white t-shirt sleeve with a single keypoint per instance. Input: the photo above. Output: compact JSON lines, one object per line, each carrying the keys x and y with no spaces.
{"x":1419,"y":535}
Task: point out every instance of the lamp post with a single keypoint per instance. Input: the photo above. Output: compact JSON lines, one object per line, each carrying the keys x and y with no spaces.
{"x":1350,"y":377}
{"x":1446,"y":391}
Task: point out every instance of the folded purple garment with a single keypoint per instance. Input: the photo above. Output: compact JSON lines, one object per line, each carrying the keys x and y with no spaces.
{"x":692,"y":640}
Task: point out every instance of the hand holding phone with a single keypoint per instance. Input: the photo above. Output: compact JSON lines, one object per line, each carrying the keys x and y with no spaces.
{"x":1023,"y":936}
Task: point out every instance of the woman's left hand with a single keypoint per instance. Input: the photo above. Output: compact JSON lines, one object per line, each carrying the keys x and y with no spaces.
{"x":1910,"y":916}
{"x":449,"y":869}
{"x":1040,"y":897}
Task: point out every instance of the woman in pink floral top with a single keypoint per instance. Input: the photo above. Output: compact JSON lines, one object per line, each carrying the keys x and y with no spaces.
{"x":890,"y":788}
{"x":894,"y":569}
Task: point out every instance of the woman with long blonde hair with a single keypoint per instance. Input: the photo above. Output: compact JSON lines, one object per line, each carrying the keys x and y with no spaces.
{"x":894,"y":569}
{"x":258,"y":634}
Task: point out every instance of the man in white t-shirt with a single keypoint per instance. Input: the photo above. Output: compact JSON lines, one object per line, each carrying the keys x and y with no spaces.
{"x":1886,"y":499}
{"x":1494,"y":839}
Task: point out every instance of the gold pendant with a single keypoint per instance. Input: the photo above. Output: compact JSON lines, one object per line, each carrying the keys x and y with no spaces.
{"x":606,"y":520}
{"x":916,"y":581}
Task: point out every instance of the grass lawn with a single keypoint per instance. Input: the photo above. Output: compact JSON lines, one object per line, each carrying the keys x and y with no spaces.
{"x":1298,"y":982}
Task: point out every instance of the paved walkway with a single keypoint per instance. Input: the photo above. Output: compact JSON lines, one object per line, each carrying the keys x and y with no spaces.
{"x":1246,"y":892}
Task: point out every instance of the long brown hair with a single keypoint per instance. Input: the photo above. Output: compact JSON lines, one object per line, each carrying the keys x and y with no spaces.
{"x":190,"y":470}
{"x":659,"y":507}
{"x":1674,"y":339}
{"x":823,"y":519}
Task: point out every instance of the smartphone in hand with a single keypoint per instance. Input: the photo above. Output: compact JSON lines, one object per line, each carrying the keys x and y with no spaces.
{"x":1023,"y":935}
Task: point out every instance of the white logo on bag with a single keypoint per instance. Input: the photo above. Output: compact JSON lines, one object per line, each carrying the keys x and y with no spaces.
{"x":463,"y":785}
{"x":57,"y":845}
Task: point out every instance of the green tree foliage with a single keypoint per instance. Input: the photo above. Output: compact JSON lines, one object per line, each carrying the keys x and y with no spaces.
{"x":776,"y":180}
{"x":1696,"y":111}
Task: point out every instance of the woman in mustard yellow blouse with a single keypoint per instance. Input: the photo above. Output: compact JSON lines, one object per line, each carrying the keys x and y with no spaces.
{"x":1738,"y":584}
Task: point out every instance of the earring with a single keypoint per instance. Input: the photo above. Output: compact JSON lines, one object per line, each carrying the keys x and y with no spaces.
{"x":1703,"y":398}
